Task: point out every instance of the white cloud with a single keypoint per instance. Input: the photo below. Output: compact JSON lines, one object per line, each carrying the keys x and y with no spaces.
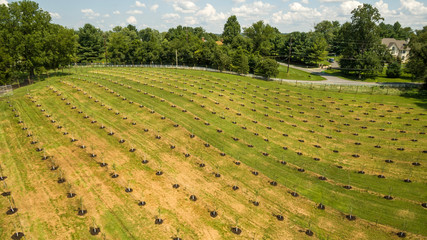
{"x":106,"y":15}
{"x":304,"y":1}
{"x":55,"y":15}
{"x":209,"y":14}
{"x":116,"y":12}
{"x":331,"y":1}
{"x":133,"y":12}
{"x":185,"y":6}
{"x":190,"y":20}
{"x":89,"y":13}
{"x":131,"y":20}
{"x":139,"y":4}
{"x":3,"y":2}
{"x":297,"y":13}
{"x":414,"y":7}
{"x":154,"y":7}
{"x":383,"y":8}
{"x":170,"y":17}
{"x":239,"y":1}
{"x":348,"y":6}
{"x":297,"y":7}
{"x":253,"y":10}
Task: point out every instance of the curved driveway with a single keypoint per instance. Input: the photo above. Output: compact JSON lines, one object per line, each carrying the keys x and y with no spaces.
{"x":330,"y":79}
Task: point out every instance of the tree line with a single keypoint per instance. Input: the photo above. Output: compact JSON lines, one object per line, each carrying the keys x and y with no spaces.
{"x":31,"y":45}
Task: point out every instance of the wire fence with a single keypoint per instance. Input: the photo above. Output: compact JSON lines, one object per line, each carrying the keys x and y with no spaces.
{"x":392,"y":89}
{"x":6,"y":90}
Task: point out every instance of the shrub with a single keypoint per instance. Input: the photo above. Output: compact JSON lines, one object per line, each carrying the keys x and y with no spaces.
{"x":267,"y":68}
{"x":393,"y":70}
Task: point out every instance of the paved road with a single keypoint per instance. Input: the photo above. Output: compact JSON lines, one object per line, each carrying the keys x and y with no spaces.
{"x":333,"y":79}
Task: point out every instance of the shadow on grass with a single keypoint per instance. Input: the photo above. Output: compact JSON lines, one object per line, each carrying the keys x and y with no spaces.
{"x":43,"y":77}
{"x":381,"y":78}
{"x":419,"y":95}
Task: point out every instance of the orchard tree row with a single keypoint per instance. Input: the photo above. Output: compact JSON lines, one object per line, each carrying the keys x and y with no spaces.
{"x":30,"y":45}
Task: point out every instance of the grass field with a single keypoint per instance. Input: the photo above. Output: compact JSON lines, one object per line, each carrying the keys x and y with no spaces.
{"x":405,"y":77}
{"x":295,"y":74}
{"x":187,"y":145}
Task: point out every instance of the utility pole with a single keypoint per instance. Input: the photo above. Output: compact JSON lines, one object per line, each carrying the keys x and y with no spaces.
{"x":105,"y":47}
{"x":289,"y":55}
{"x":176,"y":57}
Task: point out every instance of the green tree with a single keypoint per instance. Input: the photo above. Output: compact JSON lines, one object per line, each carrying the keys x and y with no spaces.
{"x":29,"y":42}
{"x":394,"y":31}
{"x":62,"y":45}
{"x":328,"y":29}
{"x":220,"y":60}
{"x":118,"y":47}
{"x":91,"y":44}
{"x":231,"y":29}
{"x":240,"y":62}
{"x":316,"y":49}
{"x":418,"y":55}
{"x":26,"y":25}
{"x":393,"y":70}
{"x":242,"y":42}
{"x":267,"y":67}
{"x":362,"y":51}
{"x":150,"y":50}
{"x":261,"y":35}
{"x":6,"y":59}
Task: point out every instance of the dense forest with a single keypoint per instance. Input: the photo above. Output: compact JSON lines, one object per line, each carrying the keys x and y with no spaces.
{"x":30,"y":45}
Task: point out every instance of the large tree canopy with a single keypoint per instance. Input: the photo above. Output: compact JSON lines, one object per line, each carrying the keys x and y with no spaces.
{"x":29,"y":42}
{"x":231,"y":29}
{"x":91,"y":44}
{"x":362,"y":51}
{"x":261,"y":35}
{"x":417,"y":64}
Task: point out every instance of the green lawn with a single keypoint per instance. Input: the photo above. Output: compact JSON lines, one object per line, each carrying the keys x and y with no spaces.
{"x":295,"y":74}
{"x":298,"y":128}
{"x":405,"y":78}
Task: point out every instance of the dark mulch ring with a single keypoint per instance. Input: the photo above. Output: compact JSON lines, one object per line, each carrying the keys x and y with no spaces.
{"x":236,"y":230}
{"x":94,"y":230}
{"x":17,"y":235}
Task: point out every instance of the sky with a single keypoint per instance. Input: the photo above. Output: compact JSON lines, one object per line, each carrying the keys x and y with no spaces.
{"x":286,"y":15}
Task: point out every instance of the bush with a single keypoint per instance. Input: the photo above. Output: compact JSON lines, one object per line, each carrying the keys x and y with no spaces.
{"x":267,"y":67}
{"x":393,"y":70}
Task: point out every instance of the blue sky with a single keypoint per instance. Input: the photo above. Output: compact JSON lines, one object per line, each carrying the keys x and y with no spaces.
{"x":286,"y":15}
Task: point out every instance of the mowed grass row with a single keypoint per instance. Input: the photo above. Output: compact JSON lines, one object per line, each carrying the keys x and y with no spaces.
{"x":357,"y":140}
{"x":356,"y":126}
{"x":128,"y":225}
{"x":119,"y":100}
{"x":399,"y":182}
{"x":42,"y":205}
{"x":277,"y":199}
{"x":67,"y":125}
{"x":111,"y":200}
{"x":222,"y":169}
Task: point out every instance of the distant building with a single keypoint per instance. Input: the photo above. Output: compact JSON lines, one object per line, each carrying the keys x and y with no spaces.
{"x":219,"y":43}
{"x":398,"y":48}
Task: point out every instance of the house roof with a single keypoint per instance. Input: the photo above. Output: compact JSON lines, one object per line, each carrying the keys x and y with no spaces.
{"x":219,"y":43}
{"x":400,"y":44}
